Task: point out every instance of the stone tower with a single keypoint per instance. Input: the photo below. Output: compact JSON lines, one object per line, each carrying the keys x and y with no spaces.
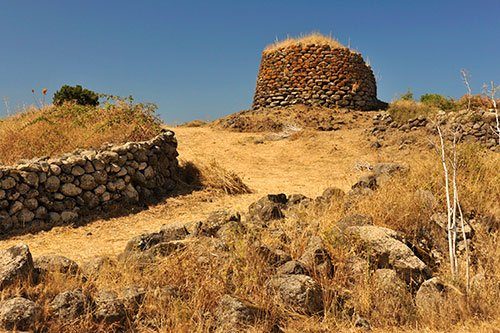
{"x":315,"y":70}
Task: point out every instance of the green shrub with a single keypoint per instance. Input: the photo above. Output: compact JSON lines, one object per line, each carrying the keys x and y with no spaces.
{"x":407,"y":96}
{"x":438,"y":101}
{"x":77,"y":95}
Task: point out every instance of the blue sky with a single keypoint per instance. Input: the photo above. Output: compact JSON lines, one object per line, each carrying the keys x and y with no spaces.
{"x":199,"y":59}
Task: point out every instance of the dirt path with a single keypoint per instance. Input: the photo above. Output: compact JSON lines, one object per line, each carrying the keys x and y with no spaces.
{"x":306,"y":164}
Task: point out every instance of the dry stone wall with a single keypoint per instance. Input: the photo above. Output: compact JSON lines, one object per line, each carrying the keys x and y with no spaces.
{"x":45,"y":192}
{"x":471,"y":126}
{"x":316,"y":75}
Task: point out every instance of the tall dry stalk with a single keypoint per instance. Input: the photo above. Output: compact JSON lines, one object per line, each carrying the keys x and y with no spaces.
{"x":450,"y":220}
{"x":491,"y":94}
{"x":454,"y":211}
{"x":465,"y":77}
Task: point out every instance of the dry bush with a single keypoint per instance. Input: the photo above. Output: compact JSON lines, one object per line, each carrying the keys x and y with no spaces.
{"x":194,"y":123}
{"x":402,"y":110}
{"x":477,"y":102}
{"x":212,"y":176}
{"x":314,"y":38}
{"x":53,"y":130}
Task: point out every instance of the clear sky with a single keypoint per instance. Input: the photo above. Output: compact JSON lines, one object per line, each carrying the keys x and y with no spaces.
{"x":199,"y":59}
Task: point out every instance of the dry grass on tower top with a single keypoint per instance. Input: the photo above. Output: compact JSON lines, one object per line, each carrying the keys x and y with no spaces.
{"x":314,"y":38}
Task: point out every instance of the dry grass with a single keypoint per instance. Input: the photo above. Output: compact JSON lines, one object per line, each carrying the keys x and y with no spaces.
{"x":200,"y":275}
{"x":306,"y":164}
{"x":404,"y":110}
{"x":213,"y":177}
{"x":53,"y":130}
{"x":314,"y":38}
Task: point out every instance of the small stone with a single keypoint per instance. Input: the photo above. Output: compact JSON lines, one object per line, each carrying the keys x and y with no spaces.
{"x":87,"y":182}
{"x":77,"y":170}
{"x":52,"y":184}
{"x":70,"y":190}
{"x":25,"y":216}
{"x":8,"y":183}
{"x":68,"y":216}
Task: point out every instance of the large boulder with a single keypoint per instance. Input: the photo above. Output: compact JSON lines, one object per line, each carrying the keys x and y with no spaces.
{"x":385,"y":249}
{"x":133,"y":297}
{"x":329,"y":195}
{"x":274,"y":257}
{"x":234,"y":315}
{"x":392,"y":299}
{"x":316,"y":257}
{"x":300,"y":292}
{"x":55,"y":263}
{"x":435,"y":297}
{"x":267,"y":208}
{"x":379,"y":174}
{"x":16,"y":265}
{"x":109,"y":308}
{"x":18,"y":314}
{"x":218,"y":222}
{"x":68,"y":305}
{"x":169,"y":232}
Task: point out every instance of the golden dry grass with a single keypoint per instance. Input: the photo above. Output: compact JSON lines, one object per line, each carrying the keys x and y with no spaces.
{"x":404,"y":110}
{"x":304,"y":164}
{"x":314,"y":38}
{"x":53,"y":130}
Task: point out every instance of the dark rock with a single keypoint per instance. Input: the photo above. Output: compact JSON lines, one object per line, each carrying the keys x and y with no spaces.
{"x":316,"y":257}
{"x":272,"y":257}
{"x":68,"y":305}
{"x":234,"y":315}
{"x":165,"y":249}
{"x":216,"y":220}
{"x":55,"y":263}
{"x":109,"y":309}
{"x":18,"y":313}
{"x":300,"y":292}
{"x":267,"y":208}
{"x":16,"y":265}
{"x":133,"y":297}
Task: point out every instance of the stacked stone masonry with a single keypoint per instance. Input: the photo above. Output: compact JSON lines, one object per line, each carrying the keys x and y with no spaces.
{"x":42,"y":193}
{"x":469,"y":126}
{"x":316,"y":75}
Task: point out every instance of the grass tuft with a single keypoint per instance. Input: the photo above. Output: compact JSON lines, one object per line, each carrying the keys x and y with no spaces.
{"x":314,"y":38}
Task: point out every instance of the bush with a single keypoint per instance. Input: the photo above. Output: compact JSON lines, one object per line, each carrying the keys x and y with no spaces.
{"x":77,"y":95}
{"x":438,"y":101}
{"x":477,"y":102}
{"x":407,"y":96}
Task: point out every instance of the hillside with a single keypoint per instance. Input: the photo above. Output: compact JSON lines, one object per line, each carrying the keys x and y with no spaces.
{"x":176,"y":293}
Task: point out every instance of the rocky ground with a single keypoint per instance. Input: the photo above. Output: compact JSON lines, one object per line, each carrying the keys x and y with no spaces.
{"x":403,"y":271}
{"x":366,"y":253}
